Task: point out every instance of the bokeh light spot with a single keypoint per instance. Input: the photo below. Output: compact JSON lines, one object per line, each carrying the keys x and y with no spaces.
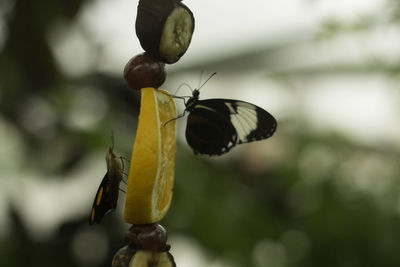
{"x":90,"y":247}
{"x":269,"y":253}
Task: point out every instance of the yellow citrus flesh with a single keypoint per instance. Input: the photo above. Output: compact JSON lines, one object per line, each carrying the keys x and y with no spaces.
{"x":151,"y":172}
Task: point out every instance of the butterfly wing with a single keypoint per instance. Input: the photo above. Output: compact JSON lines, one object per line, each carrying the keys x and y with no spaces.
{"x":106,"y":199}
{"x":214,"y":126}
{"x":251,"y":122}
{"x":209,"y":129}
{"x":101,"y":204}
{"x":115,"y":173}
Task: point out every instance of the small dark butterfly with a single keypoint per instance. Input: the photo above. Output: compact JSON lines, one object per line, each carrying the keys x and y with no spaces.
{"x":215,"y":126}
{"x":107,"y":195}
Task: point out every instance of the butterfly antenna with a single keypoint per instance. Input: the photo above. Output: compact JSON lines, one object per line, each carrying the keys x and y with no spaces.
{"x":112,"y":140}
{"x":201,"y":77}
{"x":180,"y":86}
{"x":207,"y":80}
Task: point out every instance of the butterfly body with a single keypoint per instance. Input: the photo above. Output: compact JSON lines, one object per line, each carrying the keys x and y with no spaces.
{"x":215,"y":126}
{"x":106,"y":198}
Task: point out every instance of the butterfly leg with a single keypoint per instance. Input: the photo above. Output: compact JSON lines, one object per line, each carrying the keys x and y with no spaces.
{"x":180,"y":116}
{"x":121,"y":158}
{"x":122,"y":191}
{"x":174,"y":96}
{"x":124,"y":158}
{"x":181,"y":97}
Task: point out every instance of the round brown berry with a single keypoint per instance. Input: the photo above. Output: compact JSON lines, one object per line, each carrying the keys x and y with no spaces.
{"x":147,"y":236}
{"x":143,"y":71}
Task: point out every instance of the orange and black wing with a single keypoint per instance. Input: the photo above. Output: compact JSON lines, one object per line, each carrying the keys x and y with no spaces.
{"x":101,"y":204}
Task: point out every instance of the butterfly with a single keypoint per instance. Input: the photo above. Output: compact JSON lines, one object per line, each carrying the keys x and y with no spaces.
{"x":215,"y":126}
{"x":106,"y":198}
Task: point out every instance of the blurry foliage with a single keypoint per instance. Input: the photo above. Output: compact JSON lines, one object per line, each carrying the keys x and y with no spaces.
{"x":230,"y":209}
{"x":322,"y":204}
{"x":394,"y":7}
{"x":332,"y":27}
{"x":40,"y":101}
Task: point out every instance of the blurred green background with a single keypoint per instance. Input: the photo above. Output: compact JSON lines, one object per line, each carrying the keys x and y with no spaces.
{"x":323,"y":191}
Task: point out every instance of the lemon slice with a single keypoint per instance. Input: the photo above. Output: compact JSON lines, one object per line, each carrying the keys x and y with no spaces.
{"x":151,"y":172}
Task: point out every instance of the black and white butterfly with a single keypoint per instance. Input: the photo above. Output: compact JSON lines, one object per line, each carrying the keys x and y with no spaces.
{"x":106,"y":198}
{"x":215,"y":126}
